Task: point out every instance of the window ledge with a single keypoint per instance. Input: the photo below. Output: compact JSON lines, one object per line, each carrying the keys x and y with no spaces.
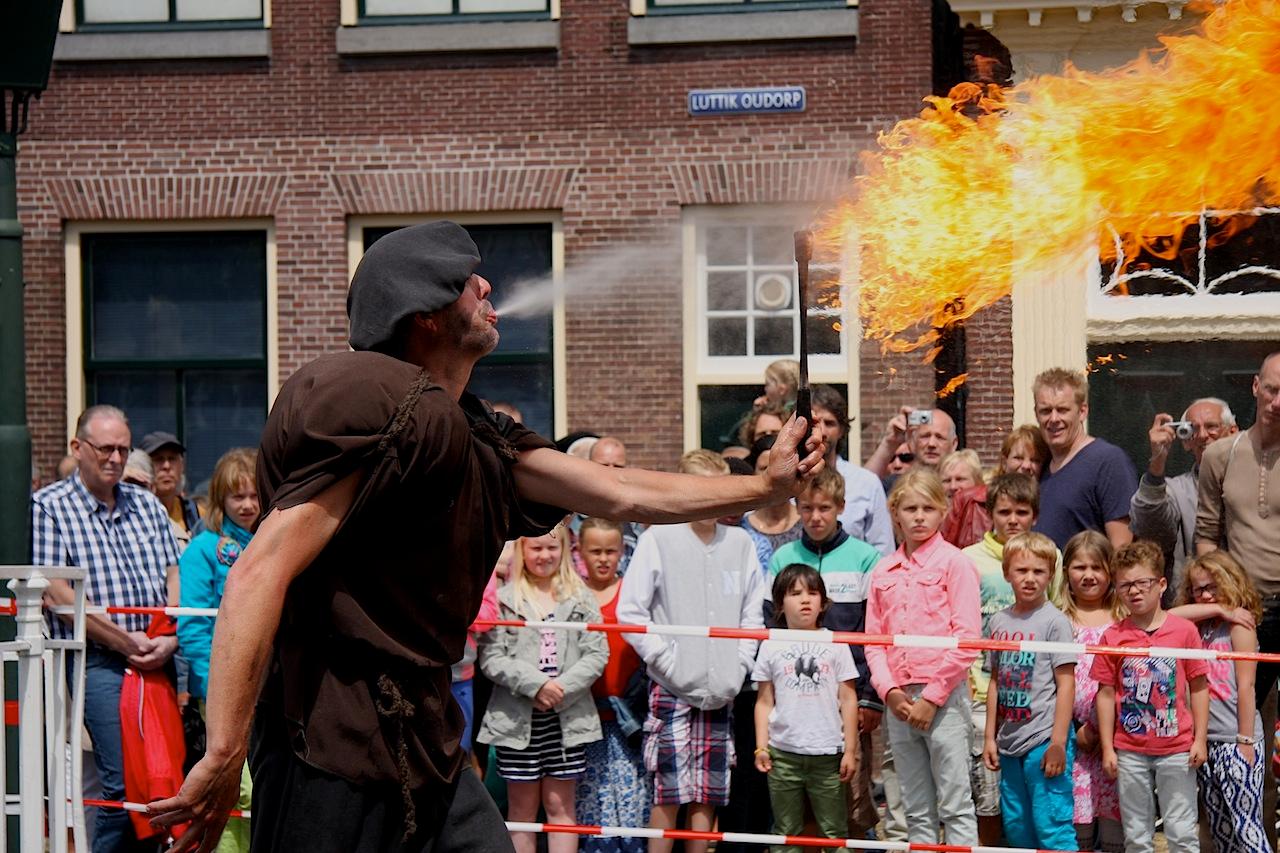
{"x":743,"y":26}
{"x":449,"y":37}
{"x":167,"y":44}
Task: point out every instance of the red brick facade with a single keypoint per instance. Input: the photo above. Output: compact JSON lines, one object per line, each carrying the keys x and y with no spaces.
{"x":597,"y":131}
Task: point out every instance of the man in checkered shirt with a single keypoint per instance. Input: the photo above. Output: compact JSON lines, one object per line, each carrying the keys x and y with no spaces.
{"x":120,"y":533}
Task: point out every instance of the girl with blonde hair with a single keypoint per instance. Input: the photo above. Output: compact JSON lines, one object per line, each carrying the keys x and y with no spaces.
{"x":541,"y":714}
{"x":1089,"y":600}
{"x":1218,"y":596}
{"x":926,"y":587}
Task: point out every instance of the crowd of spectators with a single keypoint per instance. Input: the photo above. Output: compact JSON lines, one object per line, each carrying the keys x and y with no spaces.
{"x":923,"y":538}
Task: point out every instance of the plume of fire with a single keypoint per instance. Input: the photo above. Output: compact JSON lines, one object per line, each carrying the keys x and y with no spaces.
{"x":989,"y":177}
{"x":953,"y":384}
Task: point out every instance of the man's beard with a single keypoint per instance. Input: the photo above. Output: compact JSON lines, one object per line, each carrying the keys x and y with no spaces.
{"x":462,"y":331}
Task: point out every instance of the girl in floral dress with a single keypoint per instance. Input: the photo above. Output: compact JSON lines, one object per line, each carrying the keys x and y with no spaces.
{"x":1089,"y":601}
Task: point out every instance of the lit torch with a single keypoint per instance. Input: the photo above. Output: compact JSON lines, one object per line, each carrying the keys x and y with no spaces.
{"x":804,"y":252}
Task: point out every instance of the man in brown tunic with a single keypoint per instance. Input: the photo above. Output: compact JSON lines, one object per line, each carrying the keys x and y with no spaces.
{"x":387,"y":494}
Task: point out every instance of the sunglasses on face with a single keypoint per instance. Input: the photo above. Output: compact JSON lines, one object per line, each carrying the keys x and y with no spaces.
{"x":905,"y":458}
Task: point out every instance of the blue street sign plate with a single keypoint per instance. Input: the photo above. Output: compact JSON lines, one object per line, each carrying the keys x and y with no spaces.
{"x":772,"y":99}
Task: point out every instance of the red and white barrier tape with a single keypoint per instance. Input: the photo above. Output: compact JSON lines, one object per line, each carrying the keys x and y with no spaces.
{"x":846,"y":637}
{"x":762,"y":839}
{"x":696,"y":835}
{"x":898,"y":640}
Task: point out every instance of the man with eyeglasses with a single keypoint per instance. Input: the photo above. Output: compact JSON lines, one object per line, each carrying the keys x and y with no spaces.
{"x":119,"y":533}
{"x":1164,"y":510}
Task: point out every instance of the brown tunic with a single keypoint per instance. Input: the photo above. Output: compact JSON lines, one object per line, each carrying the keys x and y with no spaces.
{"x":360,"y":672}
{"x":1239,"y":504}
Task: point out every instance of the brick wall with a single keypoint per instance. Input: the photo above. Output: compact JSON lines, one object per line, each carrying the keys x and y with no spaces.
{"x":598,"y":131}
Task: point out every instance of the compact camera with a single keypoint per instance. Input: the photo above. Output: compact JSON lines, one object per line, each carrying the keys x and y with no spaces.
{"x":919,"y":417}
{"x":1182,"y":429}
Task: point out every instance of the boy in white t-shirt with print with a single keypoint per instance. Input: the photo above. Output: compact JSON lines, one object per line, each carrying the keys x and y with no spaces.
{"x":806,"y":712}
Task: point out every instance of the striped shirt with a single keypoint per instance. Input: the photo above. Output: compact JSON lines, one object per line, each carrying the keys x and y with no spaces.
{"x":126,"y":549}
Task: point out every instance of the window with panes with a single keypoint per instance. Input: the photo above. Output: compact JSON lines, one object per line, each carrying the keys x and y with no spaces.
{"x":175,"y":334}
{"x":749,"y":316}
{"x":167,"y":14}
{"x":416,"y":11}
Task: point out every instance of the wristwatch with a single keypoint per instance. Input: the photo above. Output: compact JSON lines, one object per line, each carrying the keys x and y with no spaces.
{"x":1246,"y":740}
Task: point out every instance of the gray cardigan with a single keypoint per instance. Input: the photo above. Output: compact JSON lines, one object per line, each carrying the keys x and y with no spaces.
{"x":509,"y":658}
{"x":1164,"y":511}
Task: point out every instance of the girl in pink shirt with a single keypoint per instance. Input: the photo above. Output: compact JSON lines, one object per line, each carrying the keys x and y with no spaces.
{"x":926,"y":587}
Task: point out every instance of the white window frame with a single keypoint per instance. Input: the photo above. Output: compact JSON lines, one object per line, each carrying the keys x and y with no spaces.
{"x":559,"y":359}
{"x":349,"y":13}
{"x":1199,"y":313}
{"x":74,"y":293}
{"x":639,"y":8}
{"x":67,"y":22}
{"x":1059,"y":310}
{"x":702,"y":369}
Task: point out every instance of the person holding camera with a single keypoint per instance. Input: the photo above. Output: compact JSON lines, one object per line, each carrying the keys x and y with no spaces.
{"x":930,"y":434}
{"x":1164,"y":509}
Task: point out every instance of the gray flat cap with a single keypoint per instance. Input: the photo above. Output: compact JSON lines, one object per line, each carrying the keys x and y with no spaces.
{"x":420,"y":268}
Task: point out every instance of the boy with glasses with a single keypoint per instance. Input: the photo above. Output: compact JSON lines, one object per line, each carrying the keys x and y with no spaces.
{"x":1159,"y":742}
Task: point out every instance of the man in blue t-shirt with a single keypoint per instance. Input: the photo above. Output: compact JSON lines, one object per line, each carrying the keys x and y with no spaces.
{"x":1088,"y":481}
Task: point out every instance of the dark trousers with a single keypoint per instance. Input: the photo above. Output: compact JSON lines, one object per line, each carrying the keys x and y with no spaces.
{"x":1268,"y":641}
{"x":297,"y":807}
{"x":1264,"y":691}
{"x":748,"y":809}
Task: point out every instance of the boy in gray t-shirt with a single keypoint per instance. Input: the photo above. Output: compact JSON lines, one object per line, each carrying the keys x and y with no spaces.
{"x":1029,"y":737}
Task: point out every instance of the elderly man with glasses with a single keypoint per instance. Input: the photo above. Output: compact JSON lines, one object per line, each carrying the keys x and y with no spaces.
{"x":120,"y":534}
{"x":1164,"y":509}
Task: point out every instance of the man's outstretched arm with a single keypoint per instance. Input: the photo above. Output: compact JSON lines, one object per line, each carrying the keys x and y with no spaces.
{"x":286,"y":543}
{"x":653,"y":497}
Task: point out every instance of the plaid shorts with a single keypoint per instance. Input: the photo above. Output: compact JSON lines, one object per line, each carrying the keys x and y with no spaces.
{"x":688,"y":750}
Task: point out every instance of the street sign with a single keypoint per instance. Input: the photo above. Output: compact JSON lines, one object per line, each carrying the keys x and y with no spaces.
{"x":772,"y":99}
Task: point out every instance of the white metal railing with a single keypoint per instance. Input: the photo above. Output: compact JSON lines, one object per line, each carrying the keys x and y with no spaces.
{"x":45,"y":786}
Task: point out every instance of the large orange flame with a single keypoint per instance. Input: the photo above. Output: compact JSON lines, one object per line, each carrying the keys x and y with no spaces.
{"x":1038,"y":170}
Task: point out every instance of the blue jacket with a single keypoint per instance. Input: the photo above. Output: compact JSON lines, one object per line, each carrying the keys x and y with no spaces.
{"x":202,"y":570}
